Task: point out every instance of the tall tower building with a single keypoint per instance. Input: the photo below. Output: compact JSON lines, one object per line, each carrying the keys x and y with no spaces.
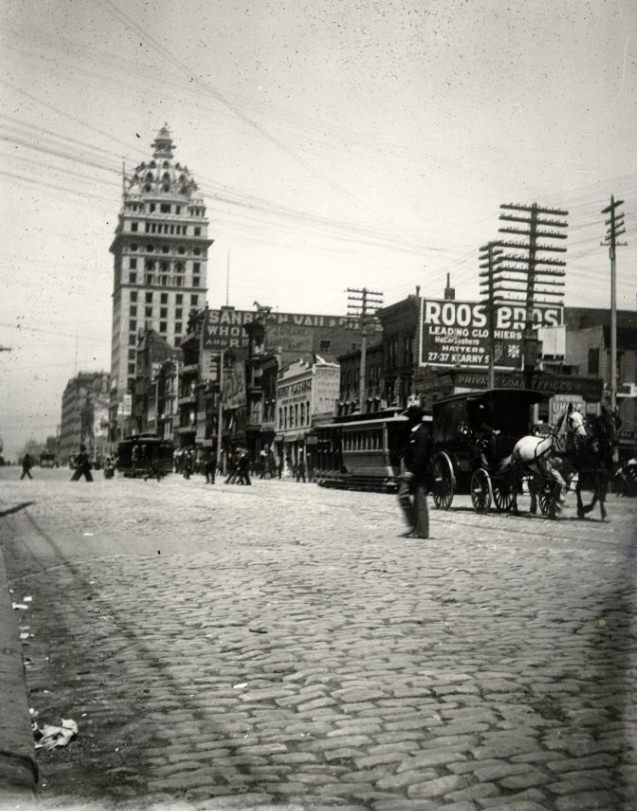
{"x":160,"y":267}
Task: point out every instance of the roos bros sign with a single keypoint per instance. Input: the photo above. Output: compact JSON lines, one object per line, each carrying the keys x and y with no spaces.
{"x":455,"y":333}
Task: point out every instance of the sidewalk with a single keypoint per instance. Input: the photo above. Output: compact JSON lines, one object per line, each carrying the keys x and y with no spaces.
{"x":18,"y":768}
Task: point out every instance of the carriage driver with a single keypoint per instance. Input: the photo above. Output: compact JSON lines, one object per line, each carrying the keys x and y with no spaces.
{"x":415,"y":480}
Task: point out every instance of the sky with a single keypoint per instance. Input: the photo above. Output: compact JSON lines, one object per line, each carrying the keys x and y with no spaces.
{"x":336,"y":143}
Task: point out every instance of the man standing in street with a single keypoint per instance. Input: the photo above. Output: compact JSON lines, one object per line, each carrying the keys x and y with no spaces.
{"x":414,"y":481}
{"x":27,"y":464}
{"x":82,"y":466}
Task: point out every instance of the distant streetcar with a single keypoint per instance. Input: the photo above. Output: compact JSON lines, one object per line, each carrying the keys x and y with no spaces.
{"x":361,"y":451}
{"x":145,"y":455}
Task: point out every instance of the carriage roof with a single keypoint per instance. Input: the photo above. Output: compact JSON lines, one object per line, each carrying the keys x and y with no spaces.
{"x":505,"y":409}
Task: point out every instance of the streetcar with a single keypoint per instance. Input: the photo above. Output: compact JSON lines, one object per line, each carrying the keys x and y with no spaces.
{"x":472,"y":434}
{"x":145,"y":455}
{"x":361,"y":451}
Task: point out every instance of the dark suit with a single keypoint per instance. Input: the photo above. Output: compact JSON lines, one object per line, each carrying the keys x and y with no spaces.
{"x":414,"y":484}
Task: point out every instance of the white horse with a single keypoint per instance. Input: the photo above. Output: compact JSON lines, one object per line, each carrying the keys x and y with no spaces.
{"x":548,"y":457}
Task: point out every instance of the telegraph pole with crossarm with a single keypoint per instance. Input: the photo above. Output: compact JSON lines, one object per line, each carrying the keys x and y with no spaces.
{"x":615,"y":229}
{"x":527,"y":272}
{"x":360,"y":302}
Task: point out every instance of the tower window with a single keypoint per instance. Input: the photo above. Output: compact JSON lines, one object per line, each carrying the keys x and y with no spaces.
{"x":132,"y":263}
{"x":132,"y":278}
{"x":133,"y":295}
{"x":133,"y":226}
{"x":132,"y":325}
{"x":197,"y":231}
{"x":133,"y":246}
{"x":179,"y":299}
{"x":165,"y":248}
{"x":165,"y":208}
{"x":149,"y":298}
{"x":148,"y":312}
{"x":195,"y":281}
{"x":194,"y":300}
{"x":164,"y":298}
{"x":163,"y":312}
{"x":133,"y":310}
{"x":149,"y":248}
{"x":163,"y":326}
{"x":178,"y":326}
{"x":196,"y":266}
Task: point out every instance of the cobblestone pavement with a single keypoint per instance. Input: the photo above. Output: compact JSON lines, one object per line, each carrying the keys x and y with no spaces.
{"x":282,"y":646}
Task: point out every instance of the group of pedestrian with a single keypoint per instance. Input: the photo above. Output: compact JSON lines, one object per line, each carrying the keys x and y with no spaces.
{"x":239,"y":467}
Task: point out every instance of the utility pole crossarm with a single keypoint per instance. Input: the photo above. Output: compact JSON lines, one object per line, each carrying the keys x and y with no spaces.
{"x":615,"y":229}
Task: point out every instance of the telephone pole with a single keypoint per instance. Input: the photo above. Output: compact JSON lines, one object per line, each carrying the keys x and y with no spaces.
{"x":359,"y":303}
{"x":615,"y":229}
{"x":527,"y":272}
{"x":490,"y":255}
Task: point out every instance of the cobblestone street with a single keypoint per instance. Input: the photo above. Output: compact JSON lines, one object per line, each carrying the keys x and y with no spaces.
{"x":283,"y":646}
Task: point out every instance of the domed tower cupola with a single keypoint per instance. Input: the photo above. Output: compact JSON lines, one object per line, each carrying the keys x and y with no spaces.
{"x":163,"y":144}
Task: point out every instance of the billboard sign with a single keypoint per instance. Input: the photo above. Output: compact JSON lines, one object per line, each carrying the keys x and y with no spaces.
{"x":455,"y":333}
{"x":223,"y":329}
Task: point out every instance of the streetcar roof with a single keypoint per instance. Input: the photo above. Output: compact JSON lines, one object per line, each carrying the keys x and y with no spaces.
{"x":500,"y":394}
{"x":398,"y":418}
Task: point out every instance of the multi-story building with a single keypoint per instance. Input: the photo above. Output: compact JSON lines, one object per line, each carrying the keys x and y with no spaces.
{"x":85,"y":416}
{"x":306,"y":394}
{"x":160,"y":254}
{"x":154,"y":353}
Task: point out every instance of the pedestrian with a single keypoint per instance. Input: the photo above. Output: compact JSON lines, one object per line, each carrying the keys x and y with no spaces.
{"x":210,"y":465}
{"x":233,"y":465}
{"x":300,"y":469}
{"x":263,"y":462}
{"x":279,"y":467}
{"x":188,"y":464}
{"x":82,"y":466}
{"x":415,"y":478}
{"x":27,"y":464}
{"x":243,"y":468}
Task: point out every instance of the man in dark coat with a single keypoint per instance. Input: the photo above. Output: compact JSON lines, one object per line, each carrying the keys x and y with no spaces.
{"x":82,"y":466}
{"x":415,"y":479}
{"x":27,"y":464}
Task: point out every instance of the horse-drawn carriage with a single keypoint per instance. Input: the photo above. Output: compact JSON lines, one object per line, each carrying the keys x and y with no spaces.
{"x":473,"y":434}
{"x":484,"y":446}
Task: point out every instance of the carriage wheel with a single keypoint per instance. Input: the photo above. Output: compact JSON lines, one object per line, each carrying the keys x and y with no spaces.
{"x":481,"y":490}
{"x":548,"y":498}
{"x":444,"y":483}
{"x":503,"y":495}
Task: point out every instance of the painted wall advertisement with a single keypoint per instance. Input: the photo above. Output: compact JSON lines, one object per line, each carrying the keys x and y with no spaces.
{"x":234,"y":386}
{"x":223,"y":329}
{"x":455,"y":333}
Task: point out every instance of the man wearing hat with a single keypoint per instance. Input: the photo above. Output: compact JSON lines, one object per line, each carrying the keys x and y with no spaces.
{"x":414,"y":483}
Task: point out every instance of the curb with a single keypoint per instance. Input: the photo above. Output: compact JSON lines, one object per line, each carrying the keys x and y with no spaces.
{"x":18,"y":766}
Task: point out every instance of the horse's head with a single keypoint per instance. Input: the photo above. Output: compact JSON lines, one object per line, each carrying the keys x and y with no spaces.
{"x":576,"y":423}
